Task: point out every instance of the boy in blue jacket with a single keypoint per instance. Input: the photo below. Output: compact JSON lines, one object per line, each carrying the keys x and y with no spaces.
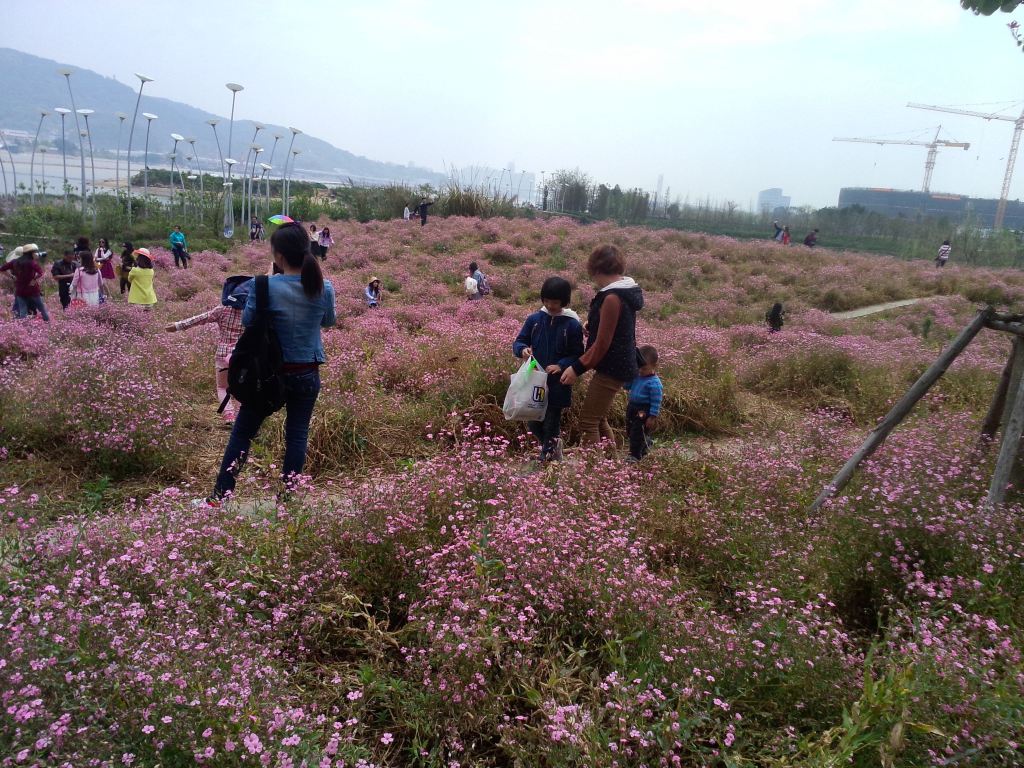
{"x":644,"y":405}
{"x":554,"y":337}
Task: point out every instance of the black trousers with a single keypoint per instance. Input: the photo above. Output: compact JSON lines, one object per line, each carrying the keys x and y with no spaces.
{"x":636,"y":428}
{"x":547,"y":431}
{"x":180,"y":257}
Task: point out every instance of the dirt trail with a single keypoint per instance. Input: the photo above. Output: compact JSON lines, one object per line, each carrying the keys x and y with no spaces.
{"x":855,"y":313}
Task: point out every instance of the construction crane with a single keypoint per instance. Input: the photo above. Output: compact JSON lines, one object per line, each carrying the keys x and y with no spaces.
{"x":1011,"y":158}
{"x":933,"y":151}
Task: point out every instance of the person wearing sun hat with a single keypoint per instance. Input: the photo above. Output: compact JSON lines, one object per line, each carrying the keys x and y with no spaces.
{"x":372,"y":292}
{"x":141,"y":292}
{"x":28,"y":277}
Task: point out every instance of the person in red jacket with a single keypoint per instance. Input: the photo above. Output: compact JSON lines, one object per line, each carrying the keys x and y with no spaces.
{"x":28,"y":277}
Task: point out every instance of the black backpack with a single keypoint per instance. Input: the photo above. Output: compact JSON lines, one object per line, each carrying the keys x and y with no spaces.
{"x":254,"y":372}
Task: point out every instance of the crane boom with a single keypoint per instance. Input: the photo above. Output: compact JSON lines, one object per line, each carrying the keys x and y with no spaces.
{"x":933,"y":148}
{"x":1011,"y":157}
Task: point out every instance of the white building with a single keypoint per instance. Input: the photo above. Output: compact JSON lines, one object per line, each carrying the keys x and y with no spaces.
{"x":770,"y":200}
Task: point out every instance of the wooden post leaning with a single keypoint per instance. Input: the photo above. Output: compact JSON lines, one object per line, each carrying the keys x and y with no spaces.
{"x":904,"y":406}
{"x":1013,"y":426}
{"x":996,"y":410}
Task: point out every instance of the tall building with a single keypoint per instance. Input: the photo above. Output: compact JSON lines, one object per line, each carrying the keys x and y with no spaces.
{"x":770,"y":200}
{"x":908,"y":204}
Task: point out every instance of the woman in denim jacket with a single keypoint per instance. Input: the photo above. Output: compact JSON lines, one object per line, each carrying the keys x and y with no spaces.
{"x":301,"y":303}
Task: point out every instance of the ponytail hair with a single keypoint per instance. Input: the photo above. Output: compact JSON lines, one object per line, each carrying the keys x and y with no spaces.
{"x":291,"y":243}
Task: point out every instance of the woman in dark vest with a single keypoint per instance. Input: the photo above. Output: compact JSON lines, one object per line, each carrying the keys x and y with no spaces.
{"x":611,"y":340}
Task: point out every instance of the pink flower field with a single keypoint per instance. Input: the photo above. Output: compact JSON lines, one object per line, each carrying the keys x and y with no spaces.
{"x":425,"y":600}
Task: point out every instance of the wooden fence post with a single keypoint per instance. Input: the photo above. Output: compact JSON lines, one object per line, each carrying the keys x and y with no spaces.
{"x":1008,"y":381}
{"x":1009,"y":448}
{"x":903,"y":407}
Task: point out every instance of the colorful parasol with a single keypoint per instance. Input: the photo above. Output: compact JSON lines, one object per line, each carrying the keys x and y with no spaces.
{"x":280,"y":218}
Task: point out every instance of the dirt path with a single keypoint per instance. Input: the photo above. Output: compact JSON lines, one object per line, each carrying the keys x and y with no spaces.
{"x":855,"y":313}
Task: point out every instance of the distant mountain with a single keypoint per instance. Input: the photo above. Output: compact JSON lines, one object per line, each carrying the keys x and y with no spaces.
{"x":30,"y":83}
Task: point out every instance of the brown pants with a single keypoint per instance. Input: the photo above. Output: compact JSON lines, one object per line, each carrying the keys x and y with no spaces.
{"x":596,"y":404}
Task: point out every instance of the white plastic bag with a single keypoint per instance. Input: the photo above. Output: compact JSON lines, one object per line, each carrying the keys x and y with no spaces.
{"x":470,"y":286}
{"x":527,"y":396}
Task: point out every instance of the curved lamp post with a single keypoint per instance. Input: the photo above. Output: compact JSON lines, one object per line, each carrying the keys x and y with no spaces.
{"x":14,"y":168}
{"x":270,"y":162}
{"x":63,"y":112}
{"x":32,"y":164}
{"x":150,"y":117}
{"x":42,"y":170}
{"x":288,"y":194}
{"x":284,"y":175}
{"x":213,"y":124}
{"x":234,"y":88}
{"x":254,"y":201}
{"x":121,"y":116}
{"x":266,"y":182}
{"x":229,"y":202}
{"x":81,"y":146}
{"x":92,"y":162}
{"x":177,"y":137}
{"x":199,"y":168}
{"x":131,"y":135}
{"x":254,"y":150}
{"x":3,"y":172}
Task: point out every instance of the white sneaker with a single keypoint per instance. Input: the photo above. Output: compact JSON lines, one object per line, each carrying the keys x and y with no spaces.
{"x":206,"y":503}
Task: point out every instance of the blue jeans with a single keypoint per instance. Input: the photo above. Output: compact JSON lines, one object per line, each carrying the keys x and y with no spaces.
{"x":301,"y":391}
{"x":23,"y":305}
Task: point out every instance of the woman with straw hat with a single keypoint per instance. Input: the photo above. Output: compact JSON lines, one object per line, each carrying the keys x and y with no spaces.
{"x":372,"y":292}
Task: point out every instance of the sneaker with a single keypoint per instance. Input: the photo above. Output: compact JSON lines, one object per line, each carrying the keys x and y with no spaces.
{"x":556,"y":449}
{"x":208,"y":503}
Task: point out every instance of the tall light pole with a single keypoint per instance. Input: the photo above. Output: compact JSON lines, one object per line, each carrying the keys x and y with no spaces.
{"x":191,"y":140}
{"x":63,"y":112}
{"x":14,"y":169}
{"x":174,"y":159}
{"x":284,"y":176}
{"x":121,"y":117}
{"x":266,"y":181}
{"x":3,"y":172}
{"x":81,"y":146}
{"x":234,"y":88}
{"x":245,"y":170}
{"x":288,"y":183}
{"x":42,"y":171}
{"x":92,"y":162}
{"x":229,"y":202}
{"x":131,"y":135}
{"x":213,"y":124}
{"x":270,"y":162}
{"x":254,"y":153}
{"x":32,"y":164}
{"x":150,"y":117}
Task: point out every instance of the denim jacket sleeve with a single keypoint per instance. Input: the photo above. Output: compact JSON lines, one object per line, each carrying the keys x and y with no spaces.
{"x":330,"y":315}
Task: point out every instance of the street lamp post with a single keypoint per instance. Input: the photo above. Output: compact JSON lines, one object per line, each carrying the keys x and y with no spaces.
{"x":284,"y":176}
{"x":288,"y":185}
{"x":32,"y":164}
{"x":121,"y":117}
{"x":42,"y":170}
{"x":254,"y":151}
{"x":191,"y":140}
{"x":213,"y":124}
{"x":150,"y":117}
{"x":266,"y":182}
{"x":234,"y":88}
{"x":78,"y":128}
{"x":229,"y":202}
{"x":257,"y":151}
{"x":270,"y":162}
{"x":174,"y":158}
{"x":131,"y":135}
{"x":63,"y":112}
{"x":14,"y":168}
{"x":92,"y":162}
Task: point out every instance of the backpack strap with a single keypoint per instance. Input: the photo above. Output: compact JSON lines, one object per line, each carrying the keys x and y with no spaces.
{"x":262,"y":293}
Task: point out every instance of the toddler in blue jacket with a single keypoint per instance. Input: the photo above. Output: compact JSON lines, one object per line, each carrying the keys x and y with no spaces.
{"x":554,"y":337}
{"x":644,"y":405}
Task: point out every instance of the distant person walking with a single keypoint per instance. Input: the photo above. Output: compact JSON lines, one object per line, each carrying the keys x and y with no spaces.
{"x":127,"y":262}
{"x":422,"y":210}
{"x":314,"y":240}
{"x":812,"y":239}
{"x":325,"y":241}
{"x":611,"y":341}
{"x":28,"y":277}
{"x":775,"y":317}
{"x":179,"y":247}
{"x":87,"y":285}
{"x":63,"y":272}
{"x":140,"y":277}
{"x":944,"y":250}
{"x":104,"y":259}
{"x":786,"y":238}
{"x":407,"y":214}
{"x":778,"y":232}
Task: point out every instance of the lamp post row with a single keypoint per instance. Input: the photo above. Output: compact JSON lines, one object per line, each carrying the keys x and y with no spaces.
{"x":250,"y":200}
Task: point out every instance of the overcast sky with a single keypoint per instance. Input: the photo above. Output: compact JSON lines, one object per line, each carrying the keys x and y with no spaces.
{"x":723,"y":98}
